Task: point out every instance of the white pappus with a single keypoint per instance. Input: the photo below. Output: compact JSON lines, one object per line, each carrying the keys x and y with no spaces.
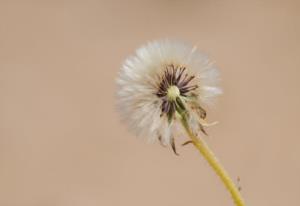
{"x":163,"y":78}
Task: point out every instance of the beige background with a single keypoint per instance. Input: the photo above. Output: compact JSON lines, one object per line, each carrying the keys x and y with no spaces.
{"x":61,"y":142}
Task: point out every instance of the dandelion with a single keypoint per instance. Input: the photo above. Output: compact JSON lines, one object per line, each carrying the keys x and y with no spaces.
{"x":162,"y":92}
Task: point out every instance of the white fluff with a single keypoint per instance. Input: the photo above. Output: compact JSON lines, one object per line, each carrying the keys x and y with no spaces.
{"x":137,"y":102}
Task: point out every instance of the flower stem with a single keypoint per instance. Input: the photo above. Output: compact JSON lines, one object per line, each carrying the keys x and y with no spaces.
{"x":213,"y":162}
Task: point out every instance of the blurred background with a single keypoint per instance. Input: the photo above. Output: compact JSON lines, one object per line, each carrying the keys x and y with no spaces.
{"x":61,"y":140}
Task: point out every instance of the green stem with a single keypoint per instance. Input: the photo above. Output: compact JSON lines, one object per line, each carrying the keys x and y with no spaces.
{"x":213,"y":162}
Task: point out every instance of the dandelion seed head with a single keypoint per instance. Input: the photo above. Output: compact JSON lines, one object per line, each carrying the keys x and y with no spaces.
{"x":161,"y":78}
